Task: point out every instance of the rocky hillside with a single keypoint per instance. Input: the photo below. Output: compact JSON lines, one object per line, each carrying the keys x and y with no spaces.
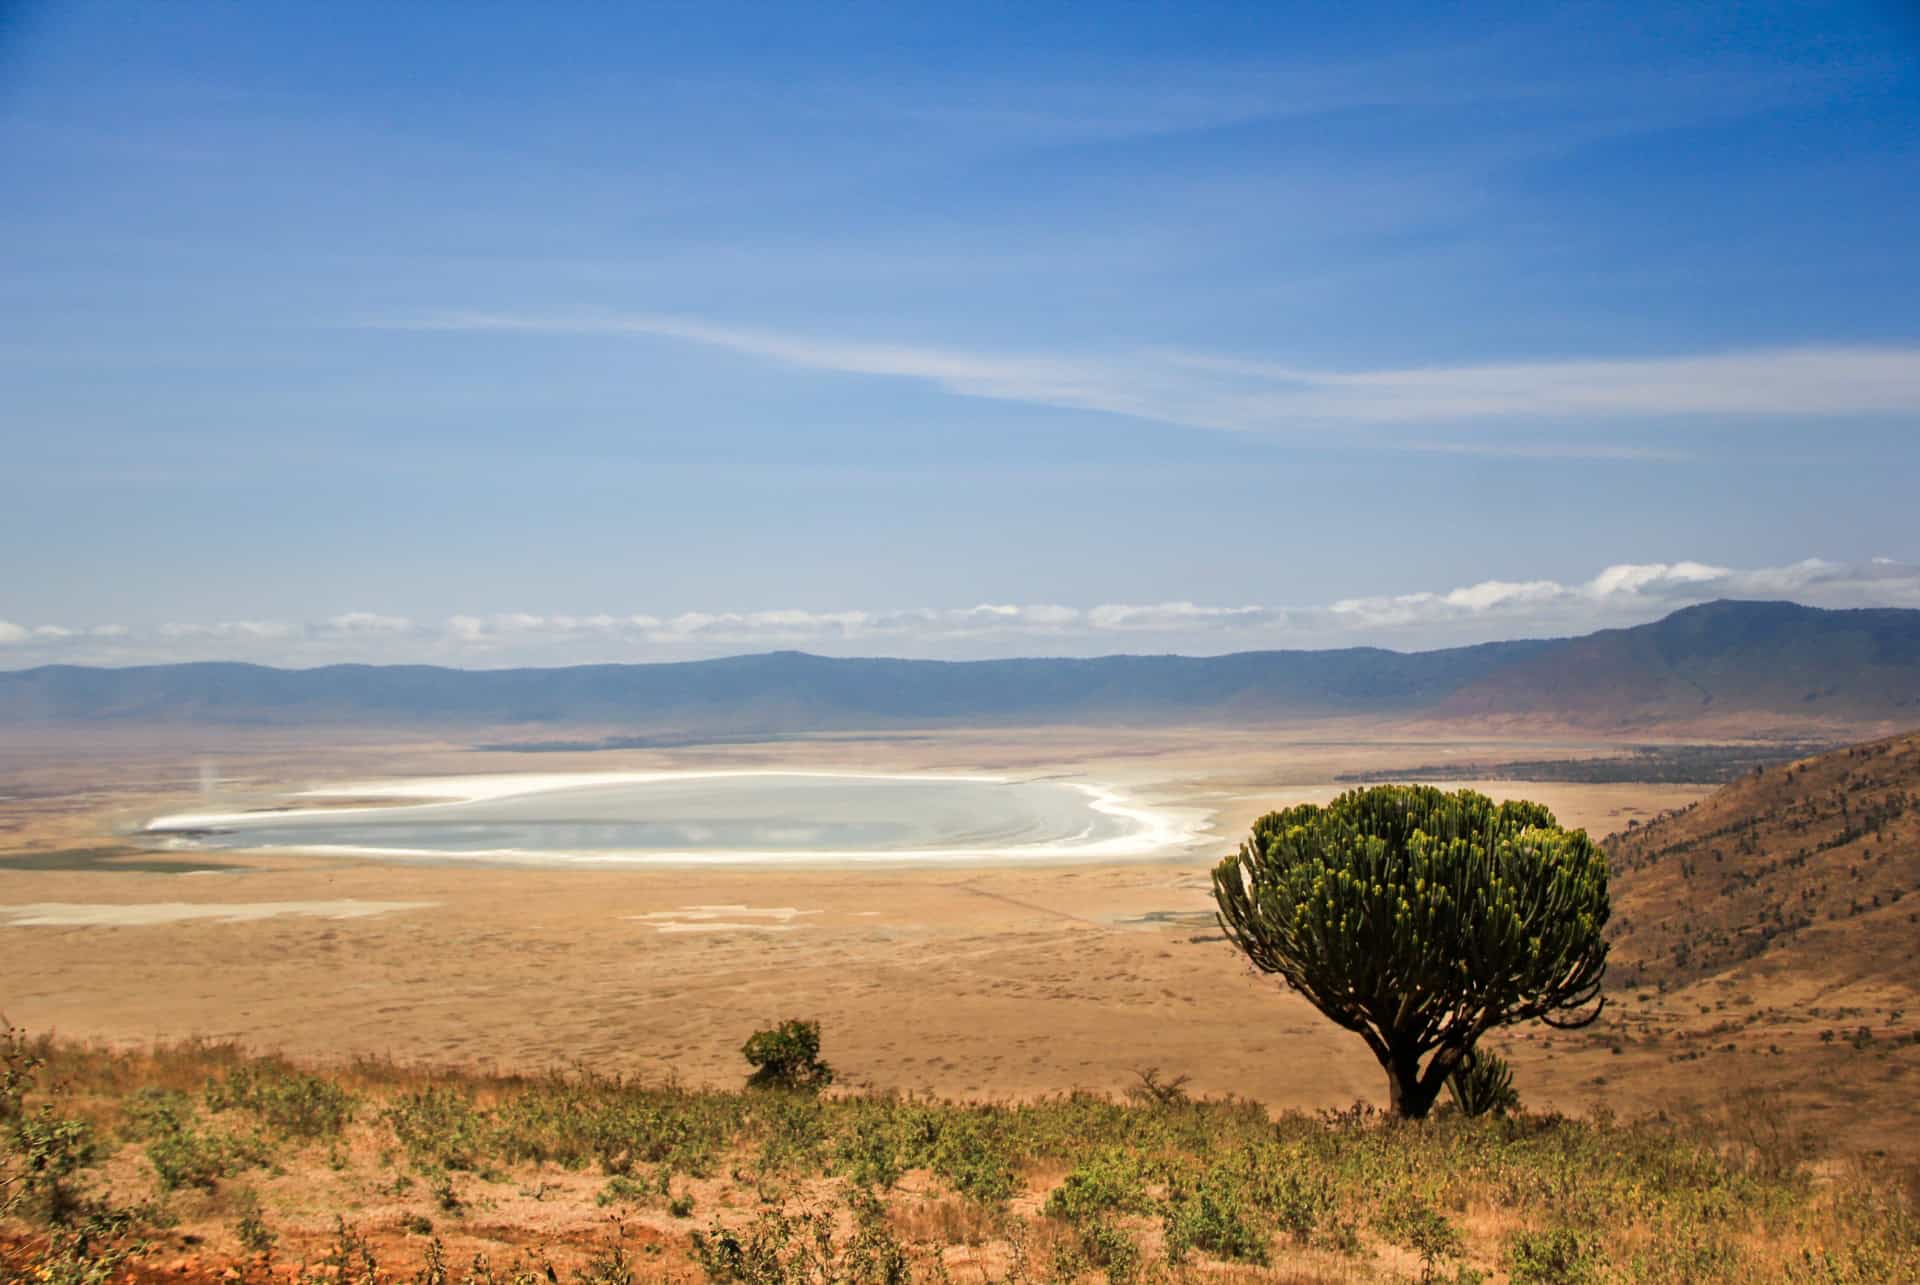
{"x":1813,"y":866}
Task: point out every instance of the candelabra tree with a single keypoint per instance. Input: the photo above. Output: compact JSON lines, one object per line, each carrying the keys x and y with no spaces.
{"x":1420,"y":920}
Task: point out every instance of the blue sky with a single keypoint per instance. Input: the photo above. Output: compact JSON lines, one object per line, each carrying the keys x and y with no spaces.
{"x":537,"y":333}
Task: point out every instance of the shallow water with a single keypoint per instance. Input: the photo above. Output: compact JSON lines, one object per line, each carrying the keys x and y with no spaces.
{"x":726,"y":817}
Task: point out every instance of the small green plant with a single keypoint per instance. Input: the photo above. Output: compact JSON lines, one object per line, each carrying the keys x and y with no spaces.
{"x":251,"y":1229}
{"x":622,"y":1190}
{"x":440,"y":1127}
{"x":445,"y":1194}
{"x":181,"y":1152}
{"x":1109,"y":1183}
{"x":49,"y":1150}
{"x":1557,"y":1256}
{"x":787,"y":1056}
{"x":291,"y":1103}
{"x":1098,"y":1245}
{"x":610,"y":1266}
{"x":1411,"y":1222}
{"x":975,"y":1159}
{"x":1210,"y":1211}
{"x":1483,"y":1084}
{"x":800,"y":1248}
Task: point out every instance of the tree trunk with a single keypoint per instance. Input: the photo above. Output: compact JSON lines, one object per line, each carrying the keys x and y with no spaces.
{"x":1407,"y":1096}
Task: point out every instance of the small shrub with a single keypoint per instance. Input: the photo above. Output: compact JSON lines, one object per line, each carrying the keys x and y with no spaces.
{"x":610,"y":1266}
{"x":623,"y":1190}
{"x":1212,"y":1212}
{"x":1483,"y":1084}
{"x":293,"y":1104}
{"x":974,"y":1157}
{"x":1107,"y":1184}
{"x":440,"y":1128}
{"x":795,"y":1139}
{"x":251,"y":1229}
{"x":181,"y":1152}
{"x":48,"y":1150}
{"x":1411,"y":1222}
{"x":1155,"y":1091}
{"x":1099,"y":1245}
{"x":1558,"y":1256}
{"x":798,"y":1249}
{"x":787,"y":1057}
{"x":445,"y":1194}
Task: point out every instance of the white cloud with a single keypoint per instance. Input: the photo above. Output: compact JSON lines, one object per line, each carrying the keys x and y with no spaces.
{"x":1201,"y":390}
{"x":1628,"y":578}
{"x":1622,"y":594}
{"x":1174,"y":615}
{"x":363,"y":623}
{"x":47,"y":635}
{"x":230,"y":630}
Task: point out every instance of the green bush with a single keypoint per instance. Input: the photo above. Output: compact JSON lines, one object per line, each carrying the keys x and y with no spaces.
{"x":1211,"y":1211}
{"x":787,"y":1057}
{"x":182,"y":1153}
{"x":1109,"y":1183}
{"x":290,"y":1102}
{"x":1557,"y":1256}
{"x":623,"y":1190}
{"x":1411,"y":1222}
{"x":802,"y":1249}
{"x":972,"y":1153}
{"x":47,"y":1151}
{"x":1098,"y":1245}
{"x":440,"y":1128}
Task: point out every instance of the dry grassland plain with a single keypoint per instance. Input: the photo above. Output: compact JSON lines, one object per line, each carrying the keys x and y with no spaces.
{"x":974,"y":981}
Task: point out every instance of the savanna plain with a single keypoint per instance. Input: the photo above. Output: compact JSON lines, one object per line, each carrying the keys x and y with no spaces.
{"x":286,"y":1063}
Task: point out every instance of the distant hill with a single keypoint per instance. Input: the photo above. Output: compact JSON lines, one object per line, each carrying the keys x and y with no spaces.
{"x":1773,"y":662}
{"x":1808,"y":871}
{"x":1714,"y":659}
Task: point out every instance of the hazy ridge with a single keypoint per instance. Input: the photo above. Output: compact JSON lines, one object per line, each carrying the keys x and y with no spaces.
{"x":1790,"y":664}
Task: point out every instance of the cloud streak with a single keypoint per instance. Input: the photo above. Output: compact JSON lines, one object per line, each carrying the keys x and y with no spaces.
{"x":1200,"y":390}
{"x":1622,"y":594}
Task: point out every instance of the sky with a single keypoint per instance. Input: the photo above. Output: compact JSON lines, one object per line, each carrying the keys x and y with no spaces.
{"x":490,"y":334}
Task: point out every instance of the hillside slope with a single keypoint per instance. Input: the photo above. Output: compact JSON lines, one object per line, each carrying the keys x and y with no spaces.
{"x":1811,"y":868}
{"x":1735,"y":666}
{"x":1717,"y":659}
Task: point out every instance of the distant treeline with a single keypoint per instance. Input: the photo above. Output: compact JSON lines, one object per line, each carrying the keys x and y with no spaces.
{"x":1645,"y":765}
{"x":677,"y":741}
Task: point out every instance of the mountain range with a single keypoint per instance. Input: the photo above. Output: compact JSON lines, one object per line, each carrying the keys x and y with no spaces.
{"x":1758,"y":663}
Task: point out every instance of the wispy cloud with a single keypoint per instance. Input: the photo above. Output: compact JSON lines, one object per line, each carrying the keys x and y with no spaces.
{"x":1623,"y":594}
{"x":1417,"y":407}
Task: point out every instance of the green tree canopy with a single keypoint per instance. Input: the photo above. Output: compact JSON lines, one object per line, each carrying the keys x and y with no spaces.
{"x":1421,"y":919}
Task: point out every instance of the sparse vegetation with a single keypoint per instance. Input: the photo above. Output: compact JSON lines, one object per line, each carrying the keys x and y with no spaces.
{"x":756,"y":1187}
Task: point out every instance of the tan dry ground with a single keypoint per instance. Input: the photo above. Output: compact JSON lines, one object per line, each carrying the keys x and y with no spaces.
{"x":974,"y":982}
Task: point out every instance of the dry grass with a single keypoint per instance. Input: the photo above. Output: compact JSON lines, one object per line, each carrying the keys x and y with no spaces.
{"x":563,"y":1170}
